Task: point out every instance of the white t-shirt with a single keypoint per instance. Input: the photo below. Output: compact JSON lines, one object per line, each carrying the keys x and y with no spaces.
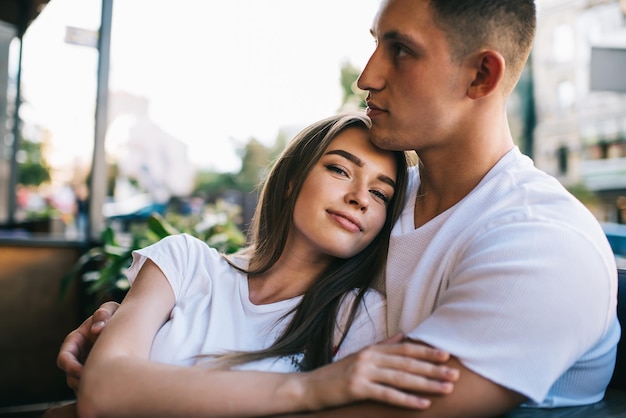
{"x":213,"y":312}
{"x":517,"y":280}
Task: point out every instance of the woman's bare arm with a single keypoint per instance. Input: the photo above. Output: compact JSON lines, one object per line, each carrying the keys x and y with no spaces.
{"x":120,"y":380}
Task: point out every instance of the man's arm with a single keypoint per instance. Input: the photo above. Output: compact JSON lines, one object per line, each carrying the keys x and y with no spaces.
{"x":473,"y":396}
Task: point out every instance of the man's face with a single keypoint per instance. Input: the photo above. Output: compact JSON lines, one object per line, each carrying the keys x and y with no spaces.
{"x":414,"y":86}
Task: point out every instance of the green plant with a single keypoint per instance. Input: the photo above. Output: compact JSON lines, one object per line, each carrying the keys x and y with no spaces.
{"x":102,"y":269}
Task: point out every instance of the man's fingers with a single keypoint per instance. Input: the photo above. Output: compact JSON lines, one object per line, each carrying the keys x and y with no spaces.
{"x":69,"y":363}
{"x":76,"y":346}
{"x":72,"y":382}
{"x":97,"y":327}
{"x":72,"y":368}
{"x":101,"y":316}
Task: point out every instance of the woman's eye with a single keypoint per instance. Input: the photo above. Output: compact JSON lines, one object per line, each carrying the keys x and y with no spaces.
{"x":380,"y":195}
{"x":336,"y":169}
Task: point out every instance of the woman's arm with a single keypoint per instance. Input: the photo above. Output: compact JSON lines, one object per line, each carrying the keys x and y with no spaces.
{"x":120,"y":380}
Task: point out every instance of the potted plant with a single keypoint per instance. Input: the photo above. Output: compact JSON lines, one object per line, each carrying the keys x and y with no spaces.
{"x":102,"y":269}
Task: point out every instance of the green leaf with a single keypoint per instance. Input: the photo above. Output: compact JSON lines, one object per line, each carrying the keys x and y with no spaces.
{"x":93,"y":255}
{"x":159,"y":226}
{"x":108,"y":236}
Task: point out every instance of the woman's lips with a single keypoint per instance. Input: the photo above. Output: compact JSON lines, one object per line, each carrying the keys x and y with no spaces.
{"x":346,"y":221}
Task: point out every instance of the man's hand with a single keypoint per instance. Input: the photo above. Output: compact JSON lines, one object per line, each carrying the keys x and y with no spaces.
{"x":78,"y":343}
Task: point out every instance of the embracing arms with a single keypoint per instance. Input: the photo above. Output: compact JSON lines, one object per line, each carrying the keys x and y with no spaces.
{"x":473,"y":396}
{"x":119,"y":379}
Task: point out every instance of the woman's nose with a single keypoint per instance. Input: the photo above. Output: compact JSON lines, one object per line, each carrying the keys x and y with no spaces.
{"x":358,"y":197}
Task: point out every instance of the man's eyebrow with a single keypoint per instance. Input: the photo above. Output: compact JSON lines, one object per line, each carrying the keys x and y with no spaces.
{"x":394,"y":35}
{"x":356,"y":160}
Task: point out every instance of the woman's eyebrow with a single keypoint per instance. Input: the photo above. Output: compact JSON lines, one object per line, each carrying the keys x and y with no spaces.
{"x":348,"y":156}
{"x":359,"y":162}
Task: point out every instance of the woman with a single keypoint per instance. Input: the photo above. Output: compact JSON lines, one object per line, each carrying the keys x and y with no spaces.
{"x":296,"y":299}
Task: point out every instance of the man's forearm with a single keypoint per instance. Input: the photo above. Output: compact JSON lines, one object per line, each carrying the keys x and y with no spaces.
{"x":473,"y":396}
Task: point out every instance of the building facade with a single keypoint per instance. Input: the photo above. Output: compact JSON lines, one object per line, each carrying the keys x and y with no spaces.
{"x":580,"y":133}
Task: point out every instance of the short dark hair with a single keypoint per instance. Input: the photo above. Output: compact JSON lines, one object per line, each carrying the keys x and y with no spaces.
{"x":507,"y":26}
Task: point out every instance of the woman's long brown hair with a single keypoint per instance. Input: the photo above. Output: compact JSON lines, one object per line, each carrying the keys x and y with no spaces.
{"x":311,"y":329}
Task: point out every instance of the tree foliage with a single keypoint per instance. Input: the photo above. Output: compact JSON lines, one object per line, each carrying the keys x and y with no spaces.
{"x":353,"y":98}
{"x":33,"y":168}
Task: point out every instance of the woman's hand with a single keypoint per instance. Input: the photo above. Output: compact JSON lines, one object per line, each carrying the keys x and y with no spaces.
{"x":395,"y":372}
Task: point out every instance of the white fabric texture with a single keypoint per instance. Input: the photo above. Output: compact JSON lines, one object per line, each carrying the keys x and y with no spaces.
{"x":213,"y":312}
{"x":517,"y":280}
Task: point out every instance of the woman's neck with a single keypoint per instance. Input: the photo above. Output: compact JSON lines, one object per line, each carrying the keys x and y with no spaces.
{"x":289,"y":277}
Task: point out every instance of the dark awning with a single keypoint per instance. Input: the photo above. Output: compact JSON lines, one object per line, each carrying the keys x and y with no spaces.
{"x":20,"y":13}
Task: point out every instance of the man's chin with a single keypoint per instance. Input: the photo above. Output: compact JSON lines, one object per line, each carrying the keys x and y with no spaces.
{"x":382,"y":139}
{"x":377,"y":136}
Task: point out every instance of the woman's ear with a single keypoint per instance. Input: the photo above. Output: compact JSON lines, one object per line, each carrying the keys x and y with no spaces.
{"x":488,"y":74}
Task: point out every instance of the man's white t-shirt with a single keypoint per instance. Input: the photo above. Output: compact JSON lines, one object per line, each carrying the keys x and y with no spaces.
{"x":517,"y":280}
{"x":213,"y":313}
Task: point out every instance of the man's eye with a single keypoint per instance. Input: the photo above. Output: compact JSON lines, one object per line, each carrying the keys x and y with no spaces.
{"x":399,"y":50}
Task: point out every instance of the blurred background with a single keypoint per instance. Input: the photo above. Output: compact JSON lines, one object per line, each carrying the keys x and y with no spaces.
{"x":125,"y":121}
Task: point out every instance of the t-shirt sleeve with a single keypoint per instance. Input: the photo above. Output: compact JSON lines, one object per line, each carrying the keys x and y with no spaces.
{"x":171,"y":254}
{"x":518,"y":310}
{"x":369,"y":325}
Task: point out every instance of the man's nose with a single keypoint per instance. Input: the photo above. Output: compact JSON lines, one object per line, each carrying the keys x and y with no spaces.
{"x":370,"y":78}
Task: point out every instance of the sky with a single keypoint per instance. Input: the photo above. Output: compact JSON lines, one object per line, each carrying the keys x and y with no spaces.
{"x":216,"y":73}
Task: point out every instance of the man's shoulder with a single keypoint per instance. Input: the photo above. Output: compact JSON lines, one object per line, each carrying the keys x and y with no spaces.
{"x":515,"y":187}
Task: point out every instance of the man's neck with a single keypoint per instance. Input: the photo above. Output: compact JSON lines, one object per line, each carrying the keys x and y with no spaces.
{"x":451,"y":179}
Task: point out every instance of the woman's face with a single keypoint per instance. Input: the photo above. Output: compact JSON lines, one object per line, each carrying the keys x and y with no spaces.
{"x":342,"y":205}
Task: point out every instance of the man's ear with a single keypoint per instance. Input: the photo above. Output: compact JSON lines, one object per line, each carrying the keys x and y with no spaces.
{"x":489,"y":71}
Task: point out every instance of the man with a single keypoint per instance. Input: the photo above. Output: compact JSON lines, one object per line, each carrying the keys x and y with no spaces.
{"x":492,"y":260}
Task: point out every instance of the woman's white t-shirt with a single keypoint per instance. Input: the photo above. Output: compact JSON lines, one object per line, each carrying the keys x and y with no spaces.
{"x":213,"y":313}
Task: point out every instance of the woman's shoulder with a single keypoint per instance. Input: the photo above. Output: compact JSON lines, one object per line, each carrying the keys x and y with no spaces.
{"x":187,"y":242}
{"x":185,"y":251}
